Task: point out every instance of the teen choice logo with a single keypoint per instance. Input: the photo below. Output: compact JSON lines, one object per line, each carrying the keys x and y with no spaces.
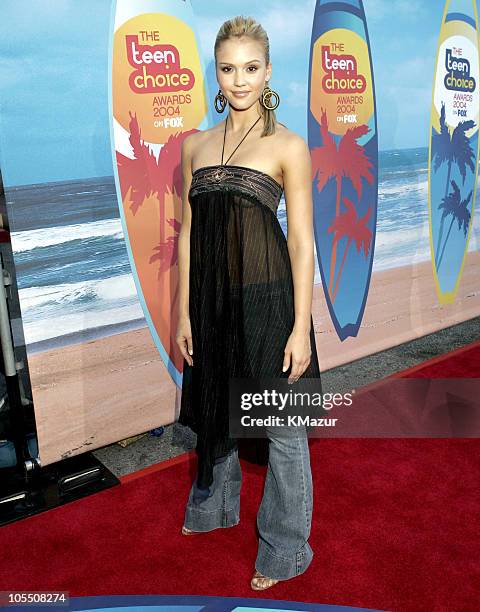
{"x":458,"y":75}
{"x":456,"y":81}
{"x":157,"y":76}
{"x":341,"y":73}
{"x":157,"y":68}
{"x":341,"y":83}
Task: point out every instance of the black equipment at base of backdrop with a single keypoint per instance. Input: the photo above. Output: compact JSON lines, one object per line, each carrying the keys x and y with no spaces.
{"x":26,"y":487}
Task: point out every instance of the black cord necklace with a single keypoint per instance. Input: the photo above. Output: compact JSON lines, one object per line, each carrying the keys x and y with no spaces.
{"x":225,"y":133}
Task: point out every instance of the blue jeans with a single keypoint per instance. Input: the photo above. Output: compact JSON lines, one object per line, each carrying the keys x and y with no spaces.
{"x":285,"y":514}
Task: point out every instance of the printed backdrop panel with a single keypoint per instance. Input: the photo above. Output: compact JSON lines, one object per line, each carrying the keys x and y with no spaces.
{"x":95,"y":100}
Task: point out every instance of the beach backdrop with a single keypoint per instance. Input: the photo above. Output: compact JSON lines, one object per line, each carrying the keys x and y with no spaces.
{"x":97,"y":375}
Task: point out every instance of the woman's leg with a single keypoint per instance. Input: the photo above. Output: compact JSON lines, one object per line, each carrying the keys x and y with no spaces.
{"x":285,"y":513}
{"x":219,"y":505}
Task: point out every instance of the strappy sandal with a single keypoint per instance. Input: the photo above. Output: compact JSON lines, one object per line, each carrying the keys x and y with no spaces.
{"x":187,"y":531}
{"x":260,"y":582}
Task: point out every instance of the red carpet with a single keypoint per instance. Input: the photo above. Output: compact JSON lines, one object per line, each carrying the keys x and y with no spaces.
{"x":461,"y":363}
{"x":396,"y":527}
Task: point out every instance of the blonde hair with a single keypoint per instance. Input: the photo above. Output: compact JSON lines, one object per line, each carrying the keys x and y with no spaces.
{"x":247,"y":26}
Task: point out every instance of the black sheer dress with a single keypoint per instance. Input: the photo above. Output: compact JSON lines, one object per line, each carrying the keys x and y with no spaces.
{"x":241,"y":300}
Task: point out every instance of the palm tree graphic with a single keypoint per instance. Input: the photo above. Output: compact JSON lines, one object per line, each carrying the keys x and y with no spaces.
{"x":144,"y":176}
{"x":347,"y":161}
{"x":451,"y":147}
{"x":348,"y":224}
{"x":452,"y":204}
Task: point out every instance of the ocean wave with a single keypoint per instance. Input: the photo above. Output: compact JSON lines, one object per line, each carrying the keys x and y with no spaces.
{"x":67,"y":323}
{"x":93,"y":294}
{"x":74,"y":193}
{"x":50,"y":236}
{"x":404,"y":189}
{"x":389,"y":172}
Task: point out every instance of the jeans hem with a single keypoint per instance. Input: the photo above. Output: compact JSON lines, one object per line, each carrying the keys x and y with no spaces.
{"x":281,"y":568}
{"x":201,"y":520}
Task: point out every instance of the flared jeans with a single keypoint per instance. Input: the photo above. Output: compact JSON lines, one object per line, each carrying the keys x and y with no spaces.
{"x":285,"y":514}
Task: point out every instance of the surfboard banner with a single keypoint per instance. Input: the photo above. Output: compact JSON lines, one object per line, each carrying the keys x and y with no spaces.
{"x":90,"y":159}
{"x":453,"y":148}
{"x":342,"y":136}
{"x":157,"y":99}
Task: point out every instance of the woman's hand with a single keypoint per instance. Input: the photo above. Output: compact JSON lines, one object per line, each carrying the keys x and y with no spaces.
{"x":298,"y":353}
{"x":184,"y":338}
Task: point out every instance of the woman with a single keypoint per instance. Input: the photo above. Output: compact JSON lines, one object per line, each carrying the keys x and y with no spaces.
{"x":245,"y":299}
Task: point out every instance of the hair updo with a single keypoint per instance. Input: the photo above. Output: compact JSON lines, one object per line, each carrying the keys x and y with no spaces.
{"x":247,"y":26}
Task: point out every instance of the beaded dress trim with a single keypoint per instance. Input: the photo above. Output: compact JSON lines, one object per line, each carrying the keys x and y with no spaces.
{"x":248,"y":181}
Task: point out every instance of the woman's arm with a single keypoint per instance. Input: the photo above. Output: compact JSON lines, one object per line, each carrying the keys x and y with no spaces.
{"x":184,"y":337}
{"x":297,"y":181}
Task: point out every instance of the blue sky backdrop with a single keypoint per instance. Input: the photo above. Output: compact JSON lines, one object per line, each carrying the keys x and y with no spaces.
{"x":54,"y":66}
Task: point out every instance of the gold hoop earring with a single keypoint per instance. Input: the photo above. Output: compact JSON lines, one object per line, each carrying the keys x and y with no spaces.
{"x":221,"y":100}
{"x":266,"y":101}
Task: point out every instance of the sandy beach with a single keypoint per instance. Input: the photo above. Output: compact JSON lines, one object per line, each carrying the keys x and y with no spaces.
{"x":92,"y":394}
{"x":402,"y":305}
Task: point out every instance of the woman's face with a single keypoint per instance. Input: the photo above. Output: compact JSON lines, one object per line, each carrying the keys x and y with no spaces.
{"x":241,"y":67}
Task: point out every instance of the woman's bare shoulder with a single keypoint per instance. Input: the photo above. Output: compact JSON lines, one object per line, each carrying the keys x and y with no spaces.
{"x":191,"y":141}
{"x":291,"y":146}
{"x":200,"y":136}
{"x":289,"y":137}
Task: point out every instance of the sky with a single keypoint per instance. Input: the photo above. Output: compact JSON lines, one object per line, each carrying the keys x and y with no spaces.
{"x":54,"y":122}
